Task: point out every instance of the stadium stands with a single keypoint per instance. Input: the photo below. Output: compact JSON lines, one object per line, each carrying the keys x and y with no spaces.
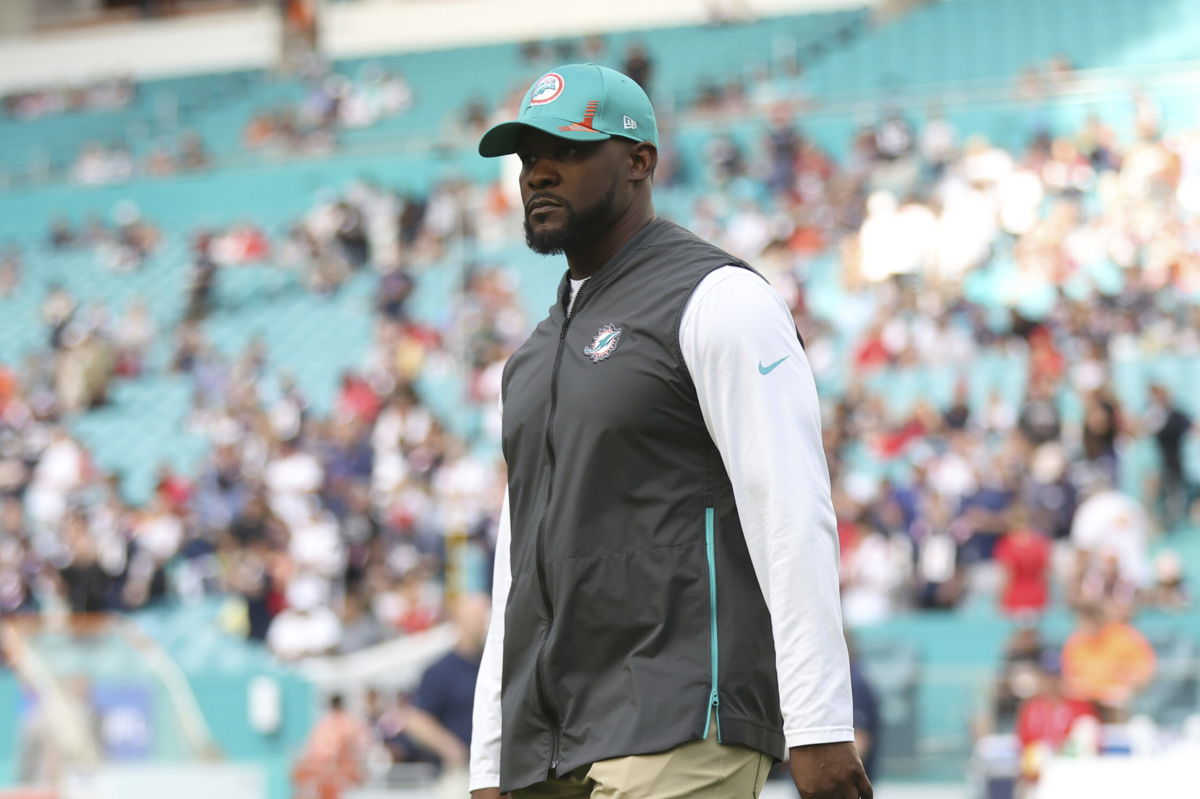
{"x":972,"y":42}
{"x":218,"y":108}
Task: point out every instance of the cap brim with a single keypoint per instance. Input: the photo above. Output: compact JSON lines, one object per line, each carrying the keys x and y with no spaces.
{"x":502,"y":139}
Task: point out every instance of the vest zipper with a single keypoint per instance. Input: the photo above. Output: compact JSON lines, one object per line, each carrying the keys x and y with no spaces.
{"x":714,"y":698}
{"x":540,"y":681}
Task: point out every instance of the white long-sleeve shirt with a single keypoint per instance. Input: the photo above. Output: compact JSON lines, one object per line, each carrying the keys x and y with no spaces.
{"x":759,"y":401}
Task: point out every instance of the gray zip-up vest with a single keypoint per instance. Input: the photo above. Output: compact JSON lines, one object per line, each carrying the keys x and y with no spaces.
{"x":634,"y":615}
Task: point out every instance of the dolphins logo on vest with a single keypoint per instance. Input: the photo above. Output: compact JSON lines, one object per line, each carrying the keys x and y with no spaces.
{"x":604,"y":343}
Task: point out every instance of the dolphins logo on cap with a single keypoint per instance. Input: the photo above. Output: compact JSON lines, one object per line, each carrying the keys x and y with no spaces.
{"x":547,"y":89}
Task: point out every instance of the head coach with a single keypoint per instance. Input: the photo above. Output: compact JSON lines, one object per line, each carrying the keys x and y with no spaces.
{"x":666,"y":620}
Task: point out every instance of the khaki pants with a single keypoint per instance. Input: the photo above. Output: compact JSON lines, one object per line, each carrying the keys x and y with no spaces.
{"x":694,"y":770}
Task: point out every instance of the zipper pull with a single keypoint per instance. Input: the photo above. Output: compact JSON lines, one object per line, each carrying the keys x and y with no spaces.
{"x":714,"y":713}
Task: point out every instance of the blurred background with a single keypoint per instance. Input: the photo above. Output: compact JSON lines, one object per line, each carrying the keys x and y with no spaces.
{"x":256,"y":290}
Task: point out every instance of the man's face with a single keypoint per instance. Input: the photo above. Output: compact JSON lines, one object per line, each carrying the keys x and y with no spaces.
{"x":1090,"y":624}
{"x":1051,"y":684}
{"x":572,"y":191}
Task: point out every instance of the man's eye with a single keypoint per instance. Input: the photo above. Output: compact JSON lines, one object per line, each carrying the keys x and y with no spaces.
{"x":567,"y":153}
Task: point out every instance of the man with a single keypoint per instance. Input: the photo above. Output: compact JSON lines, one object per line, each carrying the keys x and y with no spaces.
{"x":332,"y":758}
{"x":1170,"y":426}
{"x":1046,"y":719}
{"x":666,"y":604}
{"x":1110,"y":525}
{"x":866,"y":713}
{"x":1107,"y":661}
{"x":440,"y":718}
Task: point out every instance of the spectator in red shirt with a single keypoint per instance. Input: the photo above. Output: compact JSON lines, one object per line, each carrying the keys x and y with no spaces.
{"x":1045,"y":361}
{"x":872,"y":353}
{"x":1046,"y":719}
{"x":173,"y":488}
{"x":356,"y":398}
{"x":1025,"y":555}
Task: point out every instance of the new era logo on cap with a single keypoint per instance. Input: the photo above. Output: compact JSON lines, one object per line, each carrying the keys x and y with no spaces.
{"x":630,"y":124}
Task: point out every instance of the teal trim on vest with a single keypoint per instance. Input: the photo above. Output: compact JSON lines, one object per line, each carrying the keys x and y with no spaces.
{"x":714,"y":698}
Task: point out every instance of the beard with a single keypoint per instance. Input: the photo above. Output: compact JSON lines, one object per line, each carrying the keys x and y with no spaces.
{"x":580,"y":229}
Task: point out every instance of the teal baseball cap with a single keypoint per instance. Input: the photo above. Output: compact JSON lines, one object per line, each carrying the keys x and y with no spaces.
{"x":581,"y":102}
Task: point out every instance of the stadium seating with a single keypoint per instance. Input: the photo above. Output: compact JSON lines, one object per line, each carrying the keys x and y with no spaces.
{"x":218,"y":107}
{"x":964,"y":42}
{"x":979,"y":42}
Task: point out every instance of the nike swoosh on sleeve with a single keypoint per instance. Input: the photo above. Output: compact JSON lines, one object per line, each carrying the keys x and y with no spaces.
{"x":766,"y":370}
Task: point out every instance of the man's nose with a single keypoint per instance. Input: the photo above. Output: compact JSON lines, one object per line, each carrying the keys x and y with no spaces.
{"x":541,"y":174}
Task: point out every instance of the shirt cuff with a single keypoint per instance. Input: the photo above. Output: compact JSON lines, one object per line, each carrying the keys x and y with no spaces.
{"x":818,"y":735}
{"x":479,"y":781}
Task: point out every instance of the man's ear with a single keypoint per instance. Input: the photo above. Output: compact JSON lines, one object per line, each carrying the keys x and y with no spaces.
{"x":643,"y":158}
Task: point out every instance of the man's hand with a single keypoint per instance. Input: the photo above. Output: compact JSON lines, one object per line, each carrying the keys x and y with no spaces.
{"x":488,"y":793}
{"x":829,"y":771}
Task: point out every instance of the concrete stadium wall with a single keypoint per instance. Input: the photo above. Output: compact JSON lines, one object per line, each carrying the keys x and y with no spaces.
{"x":370,"y":27}
{"x":160,"y":48}
{"x":250,"y":38}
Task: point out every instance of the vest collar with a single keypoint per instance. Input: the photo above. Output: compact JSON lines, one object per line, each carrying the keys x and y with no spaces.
{"x":618,"y":264}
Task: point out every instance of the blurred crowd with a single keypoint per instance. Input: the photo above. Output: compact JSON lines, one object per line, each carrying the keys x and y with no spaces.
{"x":1066,"y":262}
{"x":332,"y":102}
{"x":328,"y":533}
{"x":86,"y":346}
{"x":121,"y":244}
{"x":108,"y":94}
{"x":1055,"y":697}
{"x":100,"y":164}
